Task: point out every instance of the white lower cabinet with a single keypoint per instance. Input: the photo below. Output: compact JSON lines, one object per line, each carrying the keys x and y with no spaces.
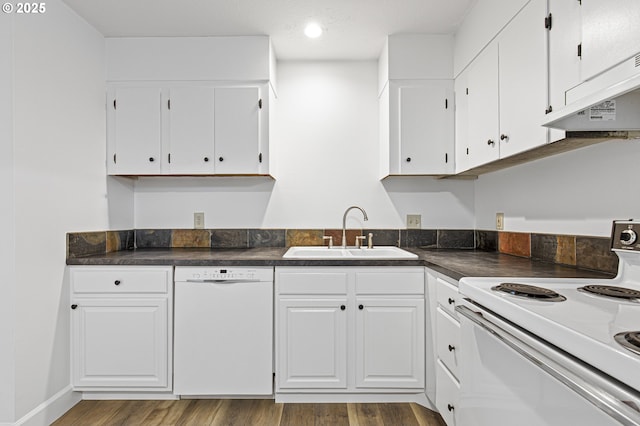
{"x":389,"y":343}
{"x":121,"y":333}
{"x":448,"y":340}
{"x":350,"y":330}
{"x":312,"y":343}
{"x":447,"y":346}
{"x":447,"y":394}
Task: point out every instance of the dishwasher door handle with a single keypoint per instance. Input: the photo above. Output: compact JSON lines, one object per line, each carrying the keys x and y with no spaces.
{"x":220,"y":281}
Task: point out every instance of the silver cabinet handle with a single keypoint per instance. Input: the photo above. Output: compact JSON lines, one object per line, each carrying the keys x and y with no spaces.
{"x":611,"y":399}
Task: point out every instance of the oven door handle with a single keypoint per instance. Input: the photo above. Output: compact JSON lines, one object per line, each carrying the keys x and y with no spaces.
{"x":613,"y":400}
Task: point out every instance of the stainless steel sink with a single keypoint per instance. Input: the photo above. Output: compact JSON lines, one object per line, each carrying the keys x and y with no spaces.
{"x":322,"y":252}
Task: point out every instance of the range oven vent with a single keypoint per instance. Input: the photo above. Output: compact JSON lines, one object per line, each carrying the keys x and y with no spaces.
{"x":637,"y":61}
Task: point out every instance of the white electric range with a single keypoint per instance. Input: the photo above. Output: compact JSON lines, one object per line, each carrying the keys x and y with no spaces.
{"x":553,"y":351}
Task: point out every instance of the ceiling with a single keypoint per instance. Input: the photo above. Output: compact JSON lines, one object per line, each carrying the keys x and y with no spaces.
{"x":353,"y":29}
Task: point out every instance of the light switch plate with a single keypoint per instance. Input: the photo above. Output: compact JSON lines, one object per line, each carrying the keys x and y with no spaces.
{"x":414,"y":221}
{"x":499,"y":221}
{"x":198,"y":220}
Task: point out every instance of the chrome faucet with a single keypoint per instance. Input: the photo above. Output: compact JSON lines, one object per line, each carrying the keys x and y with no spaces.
{"x":344,"y":223}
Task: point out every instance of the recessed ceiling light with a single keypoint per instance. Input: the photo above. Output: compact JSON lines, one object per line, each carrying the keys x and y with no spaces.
{"x":313,"y":30}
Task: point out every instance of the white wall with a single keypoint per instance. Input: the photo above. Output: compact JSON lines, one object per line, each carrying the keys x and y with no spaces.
{"x":188,"y":58}
{"x":60,"y":184}
{"x":326,"y":143}
{"x":7,"y":217}
{"x":578,"y":193}
{"x":120,"y":193}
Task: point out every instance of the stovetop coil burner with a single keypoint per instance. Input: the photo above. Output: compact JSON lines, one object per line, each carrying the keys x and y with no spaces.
{"x":629,"y":340}
{"x":531,"y":292}
{"x":613,"y":292}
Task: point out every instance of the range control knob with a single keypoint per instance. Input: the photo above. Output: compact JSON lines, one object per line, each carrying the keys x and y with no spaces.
{"x":628,"y":237}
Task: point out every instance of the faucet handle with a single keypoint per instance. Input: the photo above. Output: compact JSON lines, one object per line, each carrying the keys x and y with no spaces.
{"x":359,"y":240}
{"x":330,"y":238}
{"x":370,"y":242}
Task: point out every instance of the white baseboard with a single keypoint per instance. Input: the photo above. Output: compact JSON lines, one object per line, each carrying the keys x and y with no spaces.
{"x":50,"y":410}
{"x":419,"y":398}
{"x":129,"y":395}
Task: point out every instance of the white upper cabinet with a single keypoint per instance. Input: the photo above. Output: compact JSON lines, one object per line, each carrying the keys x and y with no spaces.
{"x":189,"y":106}
{"x":134,"y":130}
{"x":506,"y":93}
{"x":237,"y":138}
{"x":610,"y":34}
{"x":192,"y":130}
{"x":483,"y":104}
{"x":416,"y":105}
{"x":191,"y":124}
{"x":421,"y":128}
{"x":592,"y":44}
{"x":461,"y":122}
{"x":564,"y":38}
{"x":523,"y":84}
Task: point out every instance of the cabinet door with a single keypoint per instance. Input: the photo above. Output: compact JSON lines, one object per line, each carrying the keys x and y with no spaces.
{"x":425,"y":127}
{"x":564,"y":38}
{"x":134,"y":131}
{"x":119,"y":343}
{"x":237,"y":139}
{"x":390,"y":343}
{"x":462,"y":123}
{"x":610,"y":34}
{"x":482,"y":79}
{"x":522,"y":75}
{"x":312,"y":344}
{"x":191,"y":130}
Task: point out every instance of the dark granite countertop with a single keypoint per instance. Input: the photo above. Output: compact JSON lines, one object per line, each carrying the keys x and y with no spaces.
{"x":454,"y":263}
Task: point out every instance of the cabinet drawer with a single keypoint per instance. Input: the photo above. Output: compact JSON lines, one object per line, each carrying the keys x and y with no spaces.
{"x":392,"y":282}
{"x":121,"y":280}
{"x":447,"y":394}
{"x":448,"y":340}
{"x":447,"y":295}
{"x":311,"y":282}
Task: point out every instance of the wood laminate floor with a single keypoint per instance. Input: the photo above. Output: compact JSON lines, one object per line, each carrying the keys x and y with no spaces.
{"x":245,"y":412}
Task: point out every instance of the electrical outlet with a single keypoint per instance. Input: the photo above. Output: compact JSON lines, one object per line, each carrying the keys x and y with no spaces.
{"x":499,"y":221}
{"x":198,"y":220}
{"x":414,"y":221}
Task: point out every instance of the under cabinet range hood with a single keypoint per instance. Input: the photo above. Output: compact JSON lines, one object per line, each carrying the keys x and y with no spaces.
{"x":607,"y":102}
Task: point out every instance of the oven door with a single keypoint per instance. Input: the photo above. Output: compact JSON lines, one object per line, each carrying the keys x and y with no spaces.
{"x":510,"y":377}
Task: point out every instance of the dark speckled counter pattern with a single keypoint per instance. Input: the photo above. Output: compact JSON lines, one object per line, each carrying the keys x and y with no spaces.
{"x":454,"y":263}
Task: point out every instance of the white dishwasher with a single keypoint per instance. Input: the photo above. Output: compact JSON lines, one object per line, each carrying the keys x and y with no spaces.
{"x":223,"y":331}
